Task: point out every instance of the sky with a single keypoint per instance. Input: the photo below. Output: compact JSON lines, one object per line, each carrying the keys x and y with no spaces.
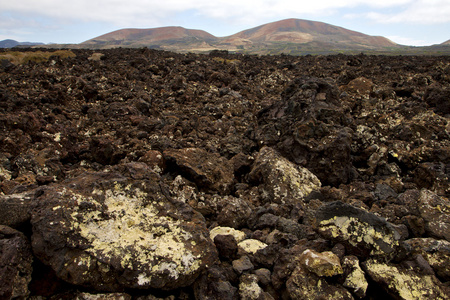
{"x":407,"y":22}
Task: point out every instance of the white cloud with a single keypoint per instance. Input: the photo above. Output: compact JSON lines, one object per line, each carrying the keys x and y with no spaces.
{"x":146,"y":12}
{"x":419,"y":12}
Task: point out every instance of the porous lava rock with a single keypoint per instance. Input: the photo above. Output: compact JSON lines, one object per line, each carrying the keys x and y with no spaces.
{"x":147,"y":174}
{"x":282,"y":180}
{"x":106,"y":231}
{"x":365,"y":233}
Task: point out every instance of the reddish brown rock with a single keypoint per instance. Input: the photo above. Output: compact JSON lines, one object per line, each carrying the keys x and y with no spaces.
{"x":105,"y":231}
{"x":15,"y":264}
{"x":208,"y":170}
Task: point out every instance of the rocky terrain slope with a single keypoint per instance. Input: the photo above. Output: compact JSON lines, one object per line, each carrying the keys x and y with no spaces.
{"x":141,"y":174}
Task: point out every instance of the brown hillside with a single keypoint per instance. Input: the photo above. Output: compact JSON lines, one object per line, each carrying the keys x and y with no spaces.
{"x":152,"y":35}
{"x":304,"y":31}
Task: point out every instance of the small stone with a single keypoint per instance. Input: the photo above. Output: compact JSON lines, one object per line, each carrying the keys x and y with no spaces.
{"x":226,"y":245}
{"x":264,"y":276}
{"x":435,"y":210}
{"x":306,"y":285}
{"x":249,"y":288}
{"x":322,"y":264}
{"x":15,"y":209}
{"x":238,"y":235}
{"x":252,"y":246}
{"x":242,"y":264}
{"x":435,"y":252}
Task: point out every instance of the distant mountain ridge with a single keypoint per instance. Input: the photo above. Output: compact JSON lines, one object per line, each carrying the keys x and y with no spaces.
{"x":13,"y":43}
{"x":271,"y":36}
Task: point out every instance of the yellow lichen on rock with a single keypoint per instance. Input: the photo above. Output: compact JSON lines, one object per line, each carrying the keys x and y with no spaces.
{"x":407,"y":286}
{"x":131,"y":225}
{"x":238,"y":235}
{"x":252,"y":246}
{"x":356,"y":232}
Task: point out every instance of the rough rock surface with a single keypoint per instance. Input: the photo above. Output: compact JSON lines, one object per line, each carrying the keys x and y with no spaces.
{"x":282,"y":180}
{"x":404,"y":284}
{"x":15,"y":264}
{"x":145,"y":174}
{"x":366,"y":233}
{"x":105,"y":231}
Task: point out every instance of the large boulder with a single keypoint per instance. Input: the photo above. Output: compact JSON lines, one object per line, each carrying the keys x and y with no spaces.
{"x":403,"y":283}
{"x":361,"y":232}
{"x":109,"y":232}
{"x":282,"y":181}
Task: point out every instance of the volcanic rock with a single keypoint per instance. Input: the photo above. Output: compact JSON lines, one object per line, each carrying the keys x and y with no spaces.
{"x":435,"y":252}
{"x":404,"y":283}
{"x":106,"y":231}
{"x":209,"y":171}
{"x":15,"y":264}
{"x":361,"y":232}
{"x":322,"y":264}
{"x":149,"y":173}
{"x":282,"y":180}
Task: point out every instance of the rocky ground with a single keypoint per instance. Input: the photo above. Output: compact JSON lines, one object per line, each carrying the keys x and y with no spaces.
{"x":141,"y":174}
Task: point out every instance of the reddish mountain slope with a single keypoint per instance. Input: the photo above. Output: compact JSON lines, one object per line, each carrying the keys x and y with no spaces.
{"x":152,"y":35}
{"x":303,"y":31}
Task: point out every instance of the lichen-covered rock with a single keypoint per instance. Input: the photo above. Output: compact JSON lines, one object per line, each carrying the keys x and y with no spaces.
{"x":238,"y":235}
{"x":249,"y":288}
{"x":322,"y":264}
{"x":209,"y":171}
{"x":304,"y":285}
{"x":361,"y":232}
{"x":15,"y":264}
{"x":435,"y":252}
{"x":403,"y":283}
{"x":355,"y":279}
{"x":105,"y":231}
{"x":435,"y":210}
{"x":282,"y":180}
{"x":251,"y":245}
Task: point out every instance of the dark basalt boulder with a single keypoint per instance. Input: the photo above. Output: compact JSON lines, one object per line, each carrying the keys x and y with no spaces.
{"x":108,"y":232}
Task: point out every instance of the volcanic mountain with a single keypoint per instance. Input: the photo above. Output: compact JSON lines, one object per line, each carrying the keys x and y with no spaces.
{"x":304,"y":31}
{"x":282,"y":36}
{"x":153,"y":36}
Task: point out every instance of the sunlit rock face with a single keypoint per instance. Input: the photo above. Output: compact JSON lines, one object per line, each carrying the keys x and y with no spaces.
{"x":107,"y":231}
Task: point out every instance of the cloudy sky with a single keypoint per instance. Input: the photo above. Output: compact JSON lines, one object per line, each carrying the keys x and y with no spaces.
{"x":408,"y":22}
